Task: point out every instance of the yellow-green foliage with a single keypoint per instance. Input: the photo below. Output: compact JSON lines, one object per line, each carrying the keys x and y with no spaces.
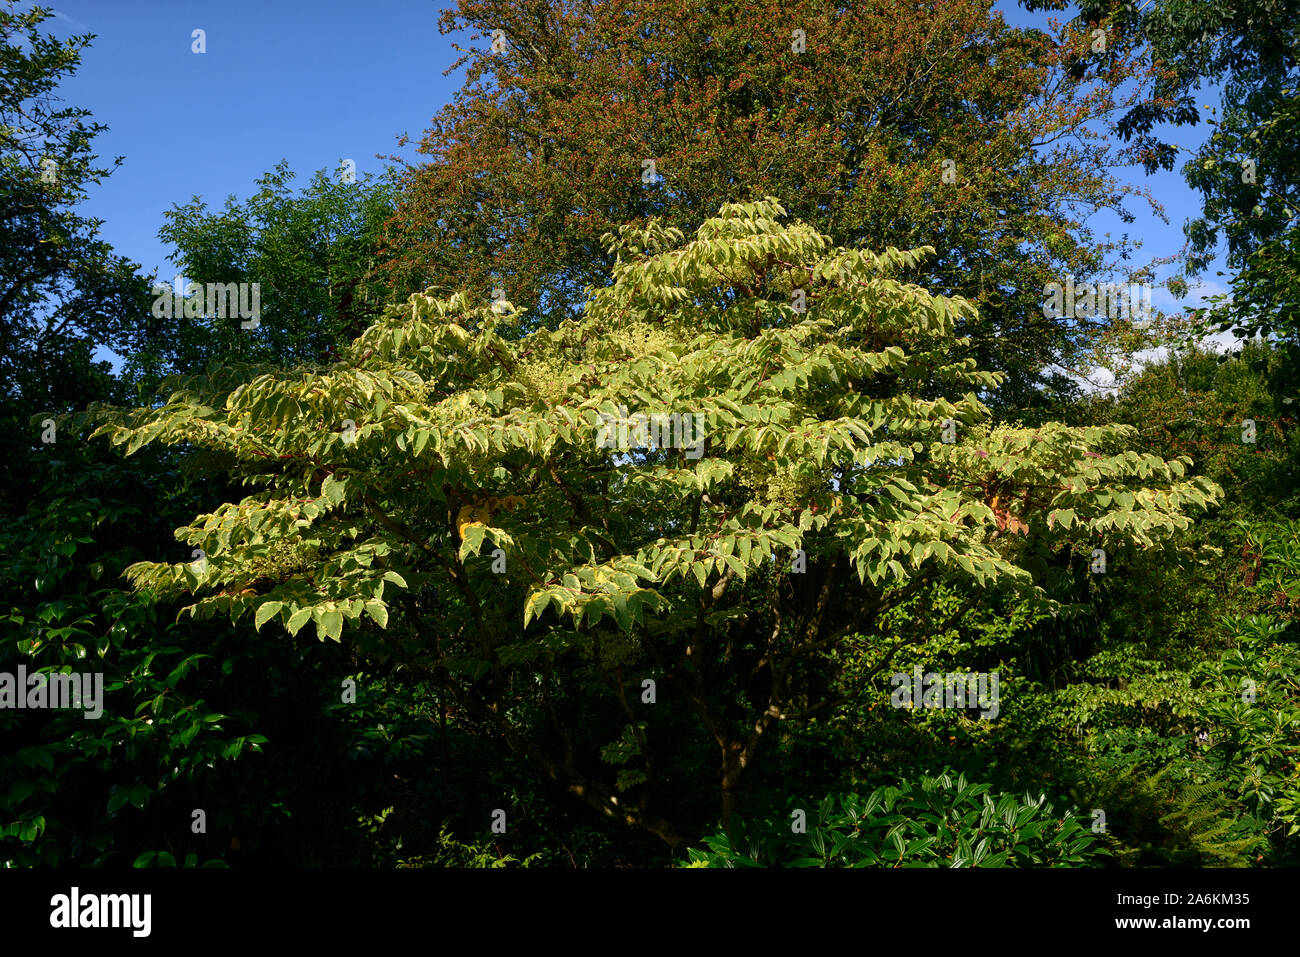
{"x":850,"y":430}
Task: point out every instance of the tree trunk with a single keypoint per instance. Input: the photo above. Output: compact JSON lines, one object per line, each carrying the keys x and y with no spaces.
{"x":733,"y":766}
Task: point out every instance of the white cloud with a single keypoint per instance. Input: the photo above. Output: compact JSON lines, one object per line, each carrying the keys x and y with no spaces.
{"x":1197,"y":297}
{"x":1097,"y":379}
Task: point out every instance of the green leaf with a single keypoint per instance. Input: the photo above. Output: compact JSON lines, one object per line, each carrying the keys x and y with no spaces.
{"x":473,"y":540}
{"x":332,"y":490}
{"x":265,"y":612}
{"x":378,"y":611}
{"x":298,"y":619}
{"x":20,"y":792}
{"x":117,"y":796}
{"x":330,"y":625}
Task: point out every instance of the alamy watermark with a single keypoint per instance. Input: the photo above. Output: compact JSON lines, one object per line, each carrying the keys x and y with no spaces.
{"x":77,"y":910}
{"x":960,"y":689}
{"x":221,"y":300}
{"x":1114,"y":300}
{"x":659,"y":430}
{"x":39,"y":690}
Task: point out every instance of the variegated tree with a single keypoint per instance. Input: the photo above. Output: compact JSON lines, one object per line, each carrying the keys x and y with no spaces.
{"x":450,"y":497}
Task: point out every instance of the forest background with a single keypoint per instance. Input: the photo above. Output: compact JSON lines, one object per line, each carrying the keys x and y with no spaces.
{"x":829,"y":230}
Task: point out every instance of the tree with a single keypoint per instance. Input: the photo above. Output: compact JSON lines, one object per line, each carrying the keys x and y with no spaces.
{"x":62,"y":289}
{"x":311,"y":254}
{"x":890,"y":124}
{"x":584,"y":592}
{"x":1246,"y":171}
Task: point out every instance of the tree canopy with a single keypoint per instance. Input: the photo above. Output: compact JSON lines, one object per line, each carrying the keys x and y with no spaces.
{"x":881,"y":125}
{"x":673,"y":466}
{"x":455,"y":476}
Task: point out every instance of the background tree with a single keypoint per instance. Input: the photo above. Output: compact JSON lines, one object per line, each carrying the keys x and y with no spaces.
{"x":883,"y":125}
{"x":1247,"y":172}
{"x":63,"y":291}
{"x":186,"y":708}
{"x":313,"y":254}
{"x":1247,"y":55}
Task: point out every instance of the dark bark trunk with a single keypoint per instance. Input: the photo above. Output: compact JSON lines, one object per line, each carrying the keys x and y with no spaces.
{"x":733,"y":766}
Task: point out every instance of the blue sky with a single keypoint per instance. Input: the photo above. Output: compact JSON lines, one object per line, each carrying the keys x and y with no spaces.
{"x":312,"y":82}
{"x":309,"y":81}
